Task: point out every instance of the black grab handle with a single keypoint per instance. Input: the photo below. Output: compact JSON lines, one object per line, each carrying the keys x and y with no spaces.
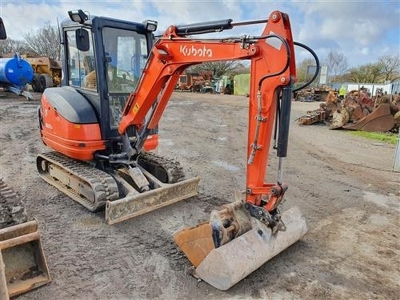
{"x":204,"y":27}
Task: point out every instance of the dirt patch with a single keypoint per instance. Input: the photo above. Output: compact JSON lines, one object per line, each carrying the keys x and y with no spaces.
{"x":344,"y":185}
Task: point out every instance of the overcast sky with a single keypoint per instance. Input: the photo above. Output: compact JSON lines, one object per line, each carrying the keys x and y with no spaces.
{"x":361,"y":30}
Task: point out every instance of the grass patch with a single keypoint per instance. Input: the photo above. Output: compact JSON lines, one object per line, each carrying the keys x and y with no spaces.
{"x":390,"y":138}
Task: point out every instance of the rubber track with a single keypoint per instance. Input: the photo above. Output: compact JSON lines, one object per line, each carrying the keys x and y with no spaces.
{"x":171,"y":166}
{"x":103,"y":185}
{"x":12,"y":210}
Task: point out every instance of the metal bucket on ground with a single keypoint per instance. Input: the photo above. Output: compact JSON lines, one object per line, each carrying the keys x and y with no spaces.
{"x":23,"y":265}
{"x":224,"y":266}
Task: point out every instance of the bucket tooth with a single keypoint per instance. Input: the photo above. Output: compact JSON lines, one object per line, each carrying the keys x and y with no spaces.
{"x":23,"y":265}
{"x":225,"y":266}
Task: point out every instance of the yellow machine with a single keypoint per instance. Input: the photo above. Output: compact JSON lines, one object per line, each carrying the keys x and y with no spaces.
{"x":47,"y":72}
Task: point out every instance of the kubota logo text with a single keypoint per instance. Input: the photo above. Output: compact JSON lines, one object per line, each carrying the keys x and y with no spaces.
{"x":194,"y":51}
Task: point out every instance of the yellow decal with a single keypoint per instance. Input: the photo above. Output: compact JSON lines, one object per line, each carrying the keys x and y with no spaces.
{"x":135,"y":108}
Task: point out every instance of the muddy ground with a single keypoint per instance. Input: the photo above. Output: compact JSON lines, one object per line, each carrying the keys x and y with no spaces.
{"x":344,"y":185}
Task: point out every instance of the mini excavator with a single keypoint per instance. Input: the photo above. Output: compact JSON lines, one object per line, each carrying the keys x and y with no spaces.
{"x":102,"y":134}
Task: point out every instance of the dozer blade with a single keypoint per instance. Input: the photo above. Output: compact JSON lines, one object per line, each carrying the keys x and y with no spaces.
{"x":380,"y":120}
{"x":23,"y":265}
{"x":226,"y":265}
{"x":134,"y":205}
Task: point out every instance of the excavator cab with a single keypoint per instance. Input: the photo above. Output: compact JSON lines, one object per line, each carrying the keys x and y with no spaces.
{"x":103,"y":62}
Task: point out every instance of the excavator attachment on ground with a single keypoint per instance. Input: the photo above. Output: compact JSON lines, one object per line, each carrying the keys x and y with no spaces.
{"x":23,"y":265}
{"x":379,"y":120}
{"x":22,"y":262}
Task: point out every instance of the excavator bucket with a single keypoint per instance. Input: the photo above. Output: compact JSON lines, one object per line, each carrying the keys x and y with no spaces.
{"x":224,"y":266}
{"x":379,"y":120}
{"x":23,"y":266}
{"x":339,"y":119}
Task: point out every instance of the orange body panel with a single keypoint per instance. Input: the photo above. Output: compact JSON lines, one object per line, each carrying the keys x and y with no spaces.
{"x":78,"y":141}
{"x":151,"y":143}
{"x":81,"y":150}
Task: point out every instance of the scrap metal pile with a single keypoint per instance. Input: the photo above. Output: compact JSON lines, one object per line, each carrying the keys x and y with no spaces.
{"x":313,"y":94}
{"x":357,"y":111}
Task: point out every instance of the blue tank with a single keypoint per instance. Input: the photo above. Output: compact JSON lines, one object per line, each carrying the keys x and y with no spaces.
{"x":15,"y":71}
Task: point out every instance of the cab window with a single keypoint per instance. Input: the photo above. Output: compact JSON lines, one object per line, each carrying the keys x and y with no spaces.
{"x":81,"y":64}
{"x":126,"y":54}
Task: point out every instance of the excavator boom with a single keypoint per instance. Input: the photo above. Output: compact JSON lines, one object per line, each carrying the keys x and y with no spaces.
{"x":272,"y":75}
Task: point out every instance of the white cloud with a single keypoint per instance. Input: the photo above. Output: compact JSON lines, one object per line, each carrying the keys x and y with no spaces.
{"x":364,"y":51}
{"x":361,"y":30}
{"x":350,"y":27}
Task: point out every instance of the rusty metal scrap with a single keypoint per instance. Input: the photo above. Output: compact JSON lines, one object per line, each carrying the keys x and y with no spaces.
{"x":380,"y":120}
{"x":358,"y":111}
{"x":312,"y":117}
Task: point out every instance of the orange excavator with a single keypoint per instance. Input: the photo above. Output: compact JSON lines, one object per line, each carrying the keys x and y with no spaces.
{"x":102,"y":135}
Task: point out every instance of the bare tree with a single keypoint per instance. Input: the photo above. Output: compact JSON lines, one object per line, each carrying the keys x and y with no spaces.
{"x":303,"y":68}
{"x":337,"y":64}
{"x":390,"y":65}
{"x":45,"y":42}
{"x":9,"y":47}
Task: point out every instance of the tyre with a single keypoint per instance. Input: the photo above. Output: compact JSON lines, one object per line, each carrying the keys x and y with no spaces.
{"x":45,"y":81}
{"x":35,"y":83}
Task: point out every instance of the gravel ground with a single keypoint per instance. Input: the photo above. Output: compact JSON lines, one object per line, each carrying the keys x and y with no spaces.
{"x":344,"y":185}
